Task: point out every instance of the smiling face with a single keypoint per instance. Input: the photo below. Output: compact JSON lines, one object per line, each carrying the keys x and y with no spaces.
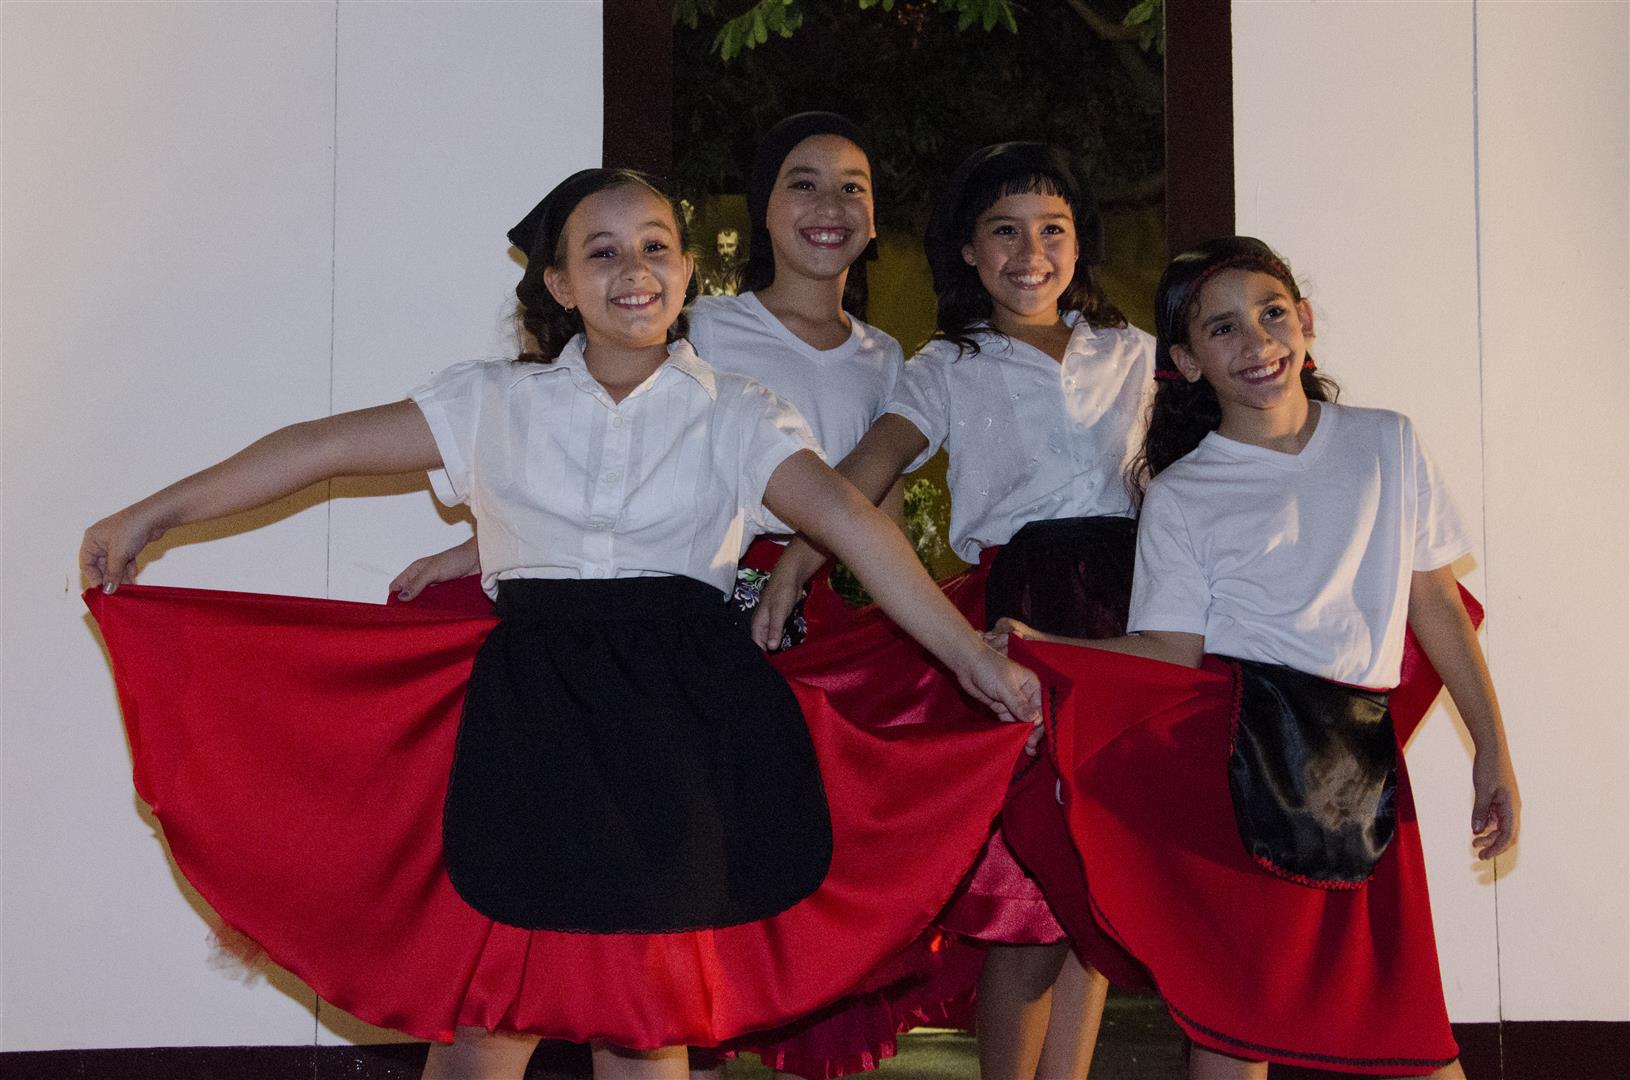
{"x":819,"y":216}
{"x":1248,"y":338}
{"x":1024,"y":250}
{"x":621,"y":266}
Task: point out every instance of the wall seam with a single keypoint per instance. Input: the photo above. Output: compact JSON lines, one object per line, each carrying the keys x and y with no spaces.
{"x":1483,"y":471}
{"x":333,"y":307}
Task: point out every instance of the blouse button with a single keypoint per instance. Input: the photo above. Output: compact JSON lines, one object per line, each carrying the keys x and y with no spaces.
{"x":612,"y":477}
{"x":616,"y":421}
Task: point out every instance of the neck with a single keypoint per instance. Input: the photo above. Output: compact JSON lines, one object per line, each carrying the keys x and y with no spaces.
{"x":1050,"y":335}
{"x":622,"y":368}
{"x":1286,"y":427}
{"x":812,"y":308}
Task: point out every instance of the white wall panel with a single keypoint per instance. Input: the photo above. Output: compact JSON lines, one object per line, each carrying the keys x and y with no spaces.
{"x":1554,"y":123}
{"x":454,"y":119}
{"x":166,"y":258}
{"x":179,"y":278}
{"x":1355,"y":158}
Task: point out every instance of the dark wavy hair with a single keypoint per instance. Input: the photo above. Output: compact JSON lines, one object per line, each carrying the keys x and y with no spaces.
{"x":542,"y":235}
{"x":1184,"y":412}
{"x":989,"y":175}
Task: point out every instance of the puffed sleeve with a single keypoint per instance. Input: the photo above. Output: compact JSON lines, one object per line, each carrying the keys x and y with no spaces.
{"x":1440,"y":535}
{"x":923,"y":396}
{"x":772,"y":431}
{"x":1170,"y":588}
{"x":452,"y":404}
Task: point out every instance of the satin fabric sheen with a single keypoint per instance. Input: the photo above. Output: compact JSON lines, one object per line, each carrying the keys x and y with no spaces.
{"x":296,"y":752}
{"x":1250,"y":964}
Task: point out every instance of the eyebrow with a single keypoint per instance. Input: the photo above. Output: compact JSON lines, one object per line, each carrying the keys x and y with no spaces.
{"x":812,"y":170}
{"x":1060,"y":216}
{"x":1266,"y":298}
{"x":653,"y":223}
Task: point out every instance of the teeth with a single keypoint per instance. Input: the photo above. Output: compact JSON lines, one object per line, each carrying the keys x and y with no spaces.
{"x":1262,"y":372}
{"x":634,"y":299}
{"x":827,"y":236}
{"x":1030,"y":279}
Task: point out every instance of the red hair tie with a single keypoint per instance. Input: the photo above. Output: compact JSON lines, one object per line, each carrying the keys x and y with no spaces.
{"x":1168,"y":375}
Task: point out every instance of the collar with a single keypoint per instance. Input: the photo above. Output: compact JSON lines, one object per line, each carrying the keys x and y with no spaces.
{"x":681,"y":358}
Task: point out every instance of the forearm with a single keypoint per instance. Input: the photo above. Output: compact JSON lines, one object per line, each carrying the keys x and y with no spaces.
{"x":387,"y":439}
{"x":1449,"y":640}
{"x":875,"y":464}
{"x":1168,"y":647}
{"x":820,"y":505}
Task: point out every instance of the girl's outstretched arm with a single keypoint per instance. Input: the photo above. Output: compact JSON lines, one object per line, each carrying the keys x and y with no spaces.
{"x":873,"y":467}
{"x":815,"y":500}
{"x":385,"y":439}
{"x":1449,"y":640}
{"x":455,"y":562}
{"x":1167,"y":646}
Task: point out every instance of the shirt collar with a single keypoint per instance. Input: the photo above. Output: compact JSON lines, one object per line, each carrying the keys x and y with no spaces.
{"x":681,"y":357}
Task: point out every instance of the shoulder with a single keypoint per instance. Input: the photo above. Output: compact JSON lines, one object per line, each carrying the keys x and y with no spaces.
{"x":1359,"y":423}
{"x":875,"y":342}
{"x":939,"y":353}
{"x":468,"y":376}
{"x":715,"y":307}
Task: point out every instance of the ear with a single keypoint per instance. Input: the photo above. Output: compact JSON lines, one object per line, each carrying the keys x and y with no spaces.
{"x":559,"y":287}
{"x":1304,"y":314}
{"x":1186,"y":363}
{"x":967,"y":254}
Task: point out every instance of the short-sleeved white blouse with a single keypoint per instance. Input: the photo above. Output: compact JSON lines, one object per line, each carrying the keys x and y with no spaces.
{"x":1297,"y":559}
{"x":1029,"y":438}
{"x":567,"y":483}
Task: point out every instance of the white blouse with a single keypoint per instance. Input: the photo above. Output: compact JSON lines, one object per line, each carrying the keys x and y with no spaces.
{"x":839,"y":391}
{"x":567,"y":483}
{"x":1298,"y":559}
{"x":1031,"y":439}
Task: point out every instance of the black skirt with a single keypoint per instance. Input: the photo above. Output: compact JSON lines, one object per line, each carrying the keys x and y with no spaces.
{"x":628,"y":762}
{"x":1070,"y":576}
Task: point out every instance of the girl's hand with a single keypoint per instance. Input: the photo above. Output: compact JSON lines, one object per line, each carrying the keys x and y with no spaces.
{"x":449,"y":565}
{"x":776,"y":601}
{"x":107,"y":554}
{"x":1496,"y":806}
{"x":1011,"y":691}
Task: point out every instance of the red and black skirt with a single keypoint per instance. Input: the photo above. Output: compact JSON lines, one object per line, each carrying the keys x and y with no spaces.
{"x":298,"y":755}
{"x":1286,"y":927}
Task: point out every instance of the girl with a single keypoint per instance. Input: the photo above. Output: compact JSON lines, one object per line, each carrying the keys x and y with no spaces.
{"x":623,"y":823}
{"x":1036,"y":387}
{"x":796,"y":328}
{"x":1297,"y":537}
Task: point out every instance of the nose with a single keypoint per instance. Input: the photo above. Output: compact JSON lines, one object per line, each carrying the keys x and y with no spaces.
{"x":633,"y":264}
{"x":1257,"y":338}
{"x":1031,"y":244}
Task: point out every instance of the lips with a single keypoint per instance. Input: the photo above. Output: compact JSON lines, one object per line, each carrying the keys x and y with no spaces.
{"x":1030,"y":281}
{"x":635,"y":301}
{"x":1263,"y":373}
{"x":825,"y":237}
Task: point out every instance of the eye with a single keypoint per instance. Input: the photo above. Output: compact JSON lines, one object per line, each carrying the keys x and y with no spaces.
{"x":1053,"y":230}
{"x":1273,"y":311}
{"x":800,"y":185}
{"x":1222,"y":328}
{"x":603,"y":253}
{"x":853,"y":188}
{"x":653,"y":246}
{"x":1004,"y":230}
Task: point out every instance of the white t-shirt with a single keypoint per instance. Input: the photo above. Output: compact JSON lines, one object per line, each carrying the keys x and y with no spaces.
{"x":1297,"y":559}
{"x":1031,"y":439}
{"x":566,"y":483}
{"x":839,"y":391}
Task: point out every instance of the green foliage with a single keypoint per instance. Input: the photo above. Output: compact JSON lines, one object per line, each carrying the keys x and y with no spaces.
{"x":925,"y":93}
{"x":782,"y":18}
{"x":1148,"y":18}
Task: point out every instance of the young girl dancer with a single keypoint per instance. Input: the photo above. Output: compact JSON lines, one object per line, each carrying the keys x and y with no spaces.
{"x":635,"y":809}
{"x":797,"y":326}
{"x":1037,"y":387}
{"x":1286,"y":540}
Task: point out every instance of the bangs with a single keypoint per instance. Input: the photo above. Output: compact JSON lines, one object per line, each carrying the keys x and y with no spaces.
{"x":1032,"y":183}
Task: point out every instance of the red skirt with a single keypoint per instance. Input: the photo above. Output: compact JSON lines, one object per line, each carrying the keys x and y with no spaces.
{"x":297,"y":751}
{"x":1251,"y":965}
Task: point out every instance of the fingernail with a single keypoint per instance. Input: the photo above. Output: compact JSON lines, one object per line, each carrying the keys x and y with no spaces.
{"x":107,"y":587}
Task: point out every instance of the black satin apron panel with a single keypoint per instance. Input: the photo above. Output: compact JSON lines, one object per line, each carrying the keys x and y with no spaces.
{"x":629,"y":762}
{"x":1313,"y":772}
{"x":1070,"y":576}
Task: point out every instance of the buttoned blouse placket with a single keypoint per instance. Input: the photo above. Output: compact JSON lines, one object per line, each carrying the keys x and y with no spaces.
{"x":612,"y":442}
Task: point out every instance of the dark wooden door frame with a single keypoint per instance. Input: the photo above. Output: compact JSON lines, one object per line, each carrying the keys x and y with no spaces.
{"x":638,"y":108}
